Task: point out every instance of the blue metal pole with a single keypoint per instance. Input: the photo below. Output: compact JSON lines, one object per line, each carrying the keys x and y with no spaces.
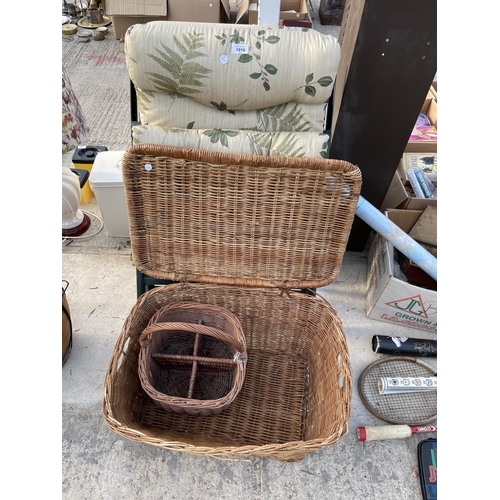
{"x":395,"y":235}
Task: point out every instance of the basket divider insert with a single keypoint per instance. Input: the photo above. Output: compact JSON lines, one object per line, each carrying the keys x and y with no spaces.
{"x":158,"y":356}
{"x":195,"y":363}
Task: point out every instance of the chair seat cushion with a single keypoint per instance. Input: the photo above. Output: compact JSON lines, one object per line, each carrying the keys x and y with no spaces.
{"x":297,"y":144}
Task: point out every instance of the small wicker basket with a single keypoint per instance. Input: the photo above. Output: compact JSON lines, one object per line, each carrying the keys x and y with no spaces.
{"x":192,"y":358}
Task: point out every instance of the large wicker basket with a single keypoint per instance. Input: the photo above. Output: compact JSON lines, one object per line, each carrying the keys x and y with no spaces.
{"x":243,"y":233}
{"x":192,"y":358}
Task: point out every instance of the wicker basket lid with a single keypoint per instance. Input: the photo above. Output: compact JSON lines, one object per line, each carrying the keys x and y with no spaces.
{"x":209,"y":217}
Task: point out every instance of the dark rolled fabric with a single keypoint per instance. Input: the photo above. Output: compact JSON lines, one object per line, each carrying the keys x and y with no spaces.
{"x":402,"y":346}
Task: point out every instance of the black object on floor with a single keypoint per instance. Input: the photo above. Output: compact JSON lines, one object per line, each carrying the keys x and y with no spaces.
{"x":404,"y":346}
{"x":83,"y":175}
{"x":427,"y":467}
{"x":86,"y":155}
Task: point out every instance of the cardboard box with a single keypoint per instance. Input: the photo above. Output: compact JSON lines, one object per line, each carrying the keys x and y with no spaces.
{"x":122,"y":23}
{"x":390,"y":299}
{"x":289,"y":10}
{"x":252,"y":7}
{"x":430,"y":109}
{"x":434,"y":89}
{"x":136,"y":7}
{"x":299,"y":23}
{"x":294,"y":10}
{"x":199,"y":11}
{"x":400,"y":196}
{"x":426,"y":161}
{"x":425,"y":232}
{"x":125,"y":13}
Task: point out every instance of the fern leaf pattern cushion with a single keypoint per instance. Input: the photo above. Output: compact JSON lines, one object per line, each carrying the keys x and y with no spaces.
{"x":228,"y":69}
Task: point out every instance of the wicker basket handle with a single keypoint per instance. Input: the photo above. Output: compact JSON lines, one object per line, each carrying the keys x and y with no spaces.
{"x":145,"y":337}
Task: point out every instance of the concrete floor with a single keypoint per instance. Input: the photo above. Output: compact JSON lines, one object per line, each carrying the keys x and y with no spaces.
{"x":98,"y":463}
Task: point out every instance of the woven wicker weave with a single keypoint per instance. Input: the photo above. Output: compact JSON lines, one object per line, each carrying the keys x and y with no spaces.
{"x":298,"y":383}
{"x":210,"y":217}
{"x":192,"y":358}
{"x":240,"y":232}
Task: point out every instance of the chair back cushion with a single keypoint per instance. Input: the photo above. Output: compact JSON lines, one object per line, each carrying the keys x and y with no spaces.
{"x":206,"y":75}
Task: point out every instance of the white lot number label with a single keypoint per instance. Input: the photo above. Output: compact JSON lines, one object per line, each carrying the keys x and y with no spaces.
{"x":239,"y":48}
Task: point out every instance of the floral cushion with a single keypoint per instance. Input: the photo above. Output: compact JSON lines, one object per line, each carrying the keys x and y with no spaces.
{"x":290,"y":116}
{"x":298,"y":144}
{"x":226,"y":78}
{"x":74,"y":126}
{"x":231,"y":68}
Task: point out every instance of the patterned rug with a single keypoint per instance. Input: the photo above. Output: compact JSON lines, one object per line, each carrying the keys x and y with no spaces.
{"x":99,"y":77}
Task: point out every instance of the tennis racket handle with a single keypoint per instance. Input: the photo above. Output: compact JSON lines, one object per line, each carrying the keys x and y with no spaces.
{"x":377,"y":432}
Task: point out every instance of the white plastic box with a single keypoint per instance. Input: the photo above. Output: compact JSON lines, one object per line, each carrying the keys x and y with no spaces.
{"x":107,"y":184}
